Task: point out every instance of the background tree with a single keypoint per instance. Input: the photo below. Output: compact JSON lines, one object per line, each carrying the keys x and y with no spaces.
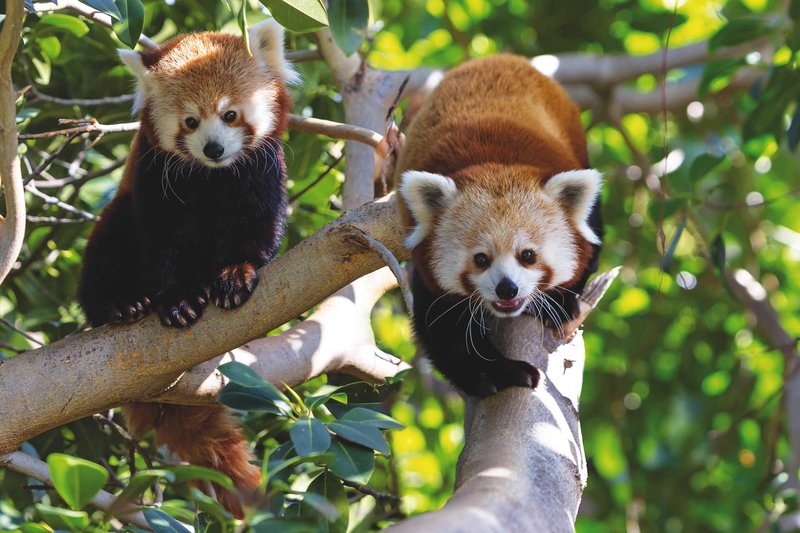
{"x":690,"y":400}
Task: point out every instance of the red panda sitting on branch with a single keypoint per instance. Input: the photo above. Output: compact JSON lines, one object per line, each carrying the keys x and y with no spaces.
{"x":201,"y":206}
{"x":501,"y":212}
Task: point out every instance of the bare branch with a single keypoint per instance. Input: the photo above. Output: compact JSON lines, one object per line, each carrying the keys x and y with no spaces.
{"x":85,"y":128}
{"x":12,"y":226}
{"x":89,"y":102}
{"x":52,"y":200}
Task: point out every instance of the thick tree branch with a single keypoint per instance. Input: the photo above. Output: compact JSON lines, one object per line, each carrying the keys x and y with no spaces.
{"x":12,"y":225}
{"x":523,"y":466}
{"x":81,"y":375}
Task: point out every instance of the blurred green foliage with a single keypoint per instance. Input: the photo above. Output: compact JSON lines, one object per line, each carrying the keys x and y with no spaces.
{"x":682,"y":401}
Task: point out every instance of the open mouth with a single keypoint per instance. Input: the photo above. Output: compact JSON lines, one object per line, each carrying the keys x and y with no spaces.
{"x":508,"y":306}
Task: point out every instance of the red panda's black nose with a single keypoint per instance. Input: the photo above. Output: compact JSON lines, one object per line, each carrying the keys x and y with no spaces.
{"x":213,"y":150}
{"x":506,"y":289}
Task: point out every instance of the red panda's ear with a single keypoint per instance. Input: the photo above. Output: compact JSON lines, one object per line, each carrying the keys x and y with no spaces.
{"x":266,"y":43}
{"x":425,"y":194}
{"x":133,"y":60}
{"x":577,"y":191}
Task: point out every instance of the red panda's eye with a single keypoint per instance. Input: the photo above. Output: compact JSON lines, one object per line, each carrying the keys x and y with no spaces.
{"x":229,"y":116}
{"x":481,"y":260}
{"x":527,"y":257}
{"x":192,"y":123}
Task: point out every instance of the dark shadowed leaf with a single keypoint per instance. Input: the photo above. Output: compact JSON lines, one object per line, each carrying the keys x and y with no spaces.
{"x":309,"y":436}
{"x":249,"y":399}
{"x":326,"y":500}
{"x":348,"y":21}
{"x":372,"y":418}
{"x":717,"y":74}
{"x":131,"y":23}
{"x":351,"y":462}
{"x":666,"y":261}
{"x":298,"y":15}
{"x":105,"y":6}
{"x":718,"y":253}
{"x":703,"y":164}
{"x":360,"y":433}
{"x":245,"y":376}
{"x":740,"y":30}
{"x":793,"y":133}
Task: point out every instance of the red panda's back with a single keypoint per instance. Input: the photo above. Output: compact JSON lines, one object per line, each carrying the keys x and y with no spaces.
{"x":496,"y":110}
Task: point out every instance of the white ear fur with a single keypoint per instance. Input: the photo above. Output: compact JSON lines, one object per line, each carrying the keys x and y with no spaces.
{"x":425,"y":193}
{"x":133,"y":60}
{"x":577,"y":190}
{"x":266,"y":42}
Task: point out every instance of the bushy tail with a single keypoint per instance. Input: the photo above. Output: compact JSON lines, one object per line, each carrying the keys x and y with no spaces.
{"x":206,"y":435}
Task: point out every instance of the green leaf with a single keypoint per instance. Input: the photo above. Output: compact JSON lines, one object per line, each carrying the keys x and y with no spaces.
{"x":656,"y":21}
{"x":717,"y":74}
{"x":241,"y":20}
{"x":372,"y":418}
{"x":131,"y":23}
{"x":185,"y":473}
{"x":138,"y":484}
{"x":309,"y":436}
{"x":351,"y":462}
{"x":281,"y":525}
{"x":298,"y":15}
{"x":105,"y":6}
{"x":361,"y":433}
{"x":327,"y":497}
{"x":793,"y":133}
{"x":348,"y":20}
{"x":76,"y":480}
{"x":703,"y":164}
{"x":33,"y":527}
{"x":740,"y":30}
{"x":161,"y":522}
{"x":718,"y":253}
{"x":250,"y":399}
{"x":74,"y":25}
{"x":245,"y":376}
{"x":64,"y":519}
{"x":666,"y":261}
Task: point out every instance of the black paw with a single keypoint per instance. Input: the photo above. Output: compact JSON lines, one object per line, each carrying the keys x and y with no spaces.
{"x":128,"y":313}
{"x":182,"y":312}
{"x":234,"y":285}
{"x":505,"y":373}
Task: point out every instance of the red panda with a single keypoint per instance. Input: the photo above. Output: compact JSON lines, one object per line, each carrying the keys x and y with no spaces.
{"x":201,"y":206}
{"x":501,"y":212}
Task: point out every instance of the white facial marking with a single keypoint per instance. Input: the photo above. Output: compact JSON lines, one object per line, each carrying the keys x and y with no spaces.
{"x":222,"y":105}
{"x":259,"y":112}
{"x":213,"y":129}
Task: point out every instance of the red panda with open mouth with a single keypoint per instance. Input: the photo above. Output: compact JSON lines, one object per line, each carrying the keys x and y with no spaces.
{"x":501,"y":212}
{"x":201,"y":206}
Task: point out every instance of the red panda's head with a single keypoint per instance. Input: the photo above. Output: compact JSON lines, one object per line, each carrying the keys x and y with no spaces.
{"x":502,"y":238}
{"x":206,"y":99}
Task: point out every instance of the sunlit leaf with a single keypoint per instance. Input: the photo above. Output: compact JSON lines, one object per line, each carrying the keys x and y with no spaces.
{"x":185,"y":473}
{"x":64,"y":519}
{"x":74,"y":25}
{"x":76,"y":480}
{"x":161,"y":522}
{"x":298,"y":15}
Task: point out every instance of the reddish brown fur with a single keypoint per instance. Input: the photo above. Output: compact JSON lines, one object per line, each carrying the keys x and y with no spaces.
{"x":206,"y":435}
{"x":482,"y":121}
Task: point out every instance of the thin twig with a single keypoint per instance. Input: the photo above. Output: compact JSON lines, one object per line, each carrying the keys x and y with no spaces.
{"x":369,"y":491}
{"x":52,"y":200}
{"x":133,"y":444}
{"x":25,"y":334}
{"x":89,"y":102}
{"x":85,"y":128}
{"x":55,"y":220}
{"x":319,"y":178}
{"x":49,"y":160}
